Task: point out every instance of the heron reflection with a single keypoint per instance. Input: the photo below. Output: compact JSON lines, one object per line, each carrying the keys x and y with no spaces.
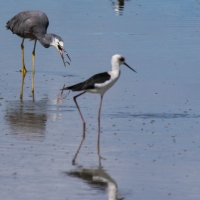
{"x":27,"y":119}
{"x":98,"y":179}
{"x":23,"y":83}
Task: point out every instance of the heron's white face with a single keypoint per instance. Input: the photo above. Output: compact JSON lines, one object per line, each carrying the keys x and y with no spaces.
{"x":58,"y":44}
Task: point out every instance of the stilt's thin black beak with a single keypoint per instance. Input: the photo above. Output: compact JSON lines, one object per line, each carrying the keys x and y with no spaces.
{"x":130,"y":67}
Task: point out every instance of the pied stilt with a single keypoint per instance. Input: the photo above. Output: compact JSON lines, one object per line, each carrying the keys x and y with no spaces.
{"x":98,"y":84}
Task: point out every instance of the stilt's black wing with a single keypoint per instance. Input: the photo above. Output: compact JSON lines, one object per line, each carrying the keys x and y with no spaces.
{"x":89,"y":83}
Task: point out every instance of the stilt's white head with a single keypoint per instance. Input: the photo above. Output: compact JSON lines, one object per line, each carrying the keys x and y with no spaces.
{"x":118,"y":60}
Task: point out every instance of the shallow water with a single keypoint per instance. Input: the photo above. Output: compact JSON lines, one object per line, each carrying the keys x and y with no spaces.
{"x":150,"y":120}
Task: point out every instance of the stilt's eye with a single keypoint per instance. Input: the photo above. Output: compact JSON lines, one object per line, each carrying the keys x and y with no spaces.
{"x":122,"y":59}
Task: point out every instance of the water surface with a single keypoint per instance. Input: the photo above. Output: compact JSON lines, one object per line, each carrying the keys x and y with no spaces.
{"x":150,"y":120}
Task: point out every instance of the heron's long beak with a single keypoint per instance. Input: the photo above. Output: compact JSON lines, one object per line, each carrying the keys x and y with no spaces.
{"x":130,"y":67}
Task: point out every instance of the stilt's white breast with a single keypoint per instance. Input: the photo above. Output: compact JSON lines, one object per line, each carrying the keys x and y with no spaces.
{"x":101,"y":88}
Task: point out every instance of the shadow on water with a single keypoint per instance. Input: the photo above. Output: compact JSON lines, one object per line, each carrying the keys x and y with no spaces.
{"x":27,"y":119}
{"x":98,"y":179}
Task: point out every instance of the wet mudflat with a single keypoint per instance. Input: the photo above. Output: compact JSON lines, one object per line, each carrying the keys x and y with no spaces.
{"x":150,"y":121}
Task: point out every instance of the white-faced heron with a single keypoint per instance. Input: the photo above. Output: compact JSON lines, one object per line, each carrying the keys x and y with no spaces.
{"x":33,"y":24}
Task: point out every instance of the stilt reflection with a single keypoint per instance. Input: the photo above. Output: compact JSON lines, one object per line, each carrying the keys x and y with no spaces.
{"x":82,"y":140}
{"x":98,"y":179}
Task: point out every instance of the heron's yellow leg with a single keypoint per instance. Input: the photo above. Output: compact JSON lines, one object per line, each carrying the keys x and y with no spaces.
{"x":33,"y":66}
{"x":23,"y":70}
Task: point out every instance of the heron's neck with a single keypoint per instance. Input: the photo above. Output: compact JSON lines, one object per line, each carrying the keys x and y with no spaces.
{"x":46,"y":40}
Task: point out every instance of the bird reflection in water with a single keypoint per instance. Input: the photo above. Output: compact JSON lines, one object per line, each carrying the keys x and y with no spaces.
{"x":119,"y":7}
{"x":98,"y":179}
{"x":83,"y":138}
{"x":27,"y":119}
{"x":22,"y":85}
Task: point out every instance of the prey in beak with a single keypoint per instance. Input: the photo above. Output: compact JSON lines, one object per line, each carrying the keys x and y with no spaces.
{"x":61,"y":50}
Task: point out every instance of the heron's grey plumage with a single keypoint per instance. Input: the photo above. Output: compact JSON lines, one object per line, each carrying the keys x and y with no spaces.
{"x":29,"y":24}
{"x":33,"y":24}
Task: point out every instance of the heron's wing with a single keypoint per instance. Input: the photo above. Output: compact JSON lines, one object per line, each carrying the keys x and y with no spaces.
{"x":28,"y":24}
{"x":90,"y":83}
{"x":18,"y":24}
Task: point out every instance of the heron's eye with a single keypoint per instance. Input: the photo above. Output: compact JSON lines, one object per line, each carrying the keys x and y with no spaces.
{"x":59,"y":47}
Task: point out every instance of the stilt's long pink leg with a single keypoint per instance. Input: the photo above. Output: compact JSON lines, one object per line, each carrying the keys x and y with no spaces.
{"x":83,"y":137}
{"x":99,"y":130}
{"x":78,"y":106}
